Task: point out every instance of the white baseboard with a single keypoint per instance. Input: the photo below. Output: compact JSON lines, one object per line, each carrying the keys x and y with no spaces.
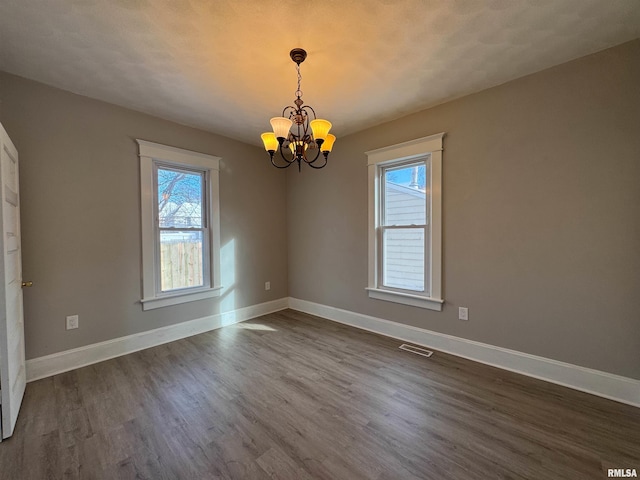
{"x":60,"y":362}
{"x":603,"y":384}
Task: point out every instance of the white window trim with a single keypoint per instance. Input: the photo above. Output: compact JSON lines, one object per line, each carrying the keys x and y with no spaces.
{"x":431,"y":145}
{"x":150,"y":152}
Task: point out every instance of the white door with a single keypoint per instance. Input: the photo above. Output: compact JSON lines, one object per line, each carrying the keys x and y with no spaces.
{"x":12,"y":367}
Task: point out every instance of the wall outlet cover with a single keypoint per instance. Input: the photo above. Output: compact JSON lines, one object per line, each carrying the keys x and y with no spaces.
{"x":72,"y":322}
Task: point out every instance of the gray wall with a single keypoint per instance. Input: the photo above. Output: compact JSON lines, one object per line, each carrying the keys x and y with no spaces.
{"x":541,"y":204}
{"x":80,"y":195}
{"x":541,"y":215}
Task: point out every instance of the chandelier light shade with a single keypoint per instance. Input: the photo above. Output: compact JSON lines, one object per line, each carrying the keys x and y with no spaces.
{"x":327,"y":146}
{"x":281,"y":126}
{"x":270,"y":141}
{"x":320,"y":128}
{"x":298,"y":136}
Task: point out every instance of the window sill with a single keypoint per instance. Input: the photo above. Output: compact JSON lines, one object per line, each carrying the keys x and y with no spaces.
{"x":406,"y":299}
{"x":177,"y":298}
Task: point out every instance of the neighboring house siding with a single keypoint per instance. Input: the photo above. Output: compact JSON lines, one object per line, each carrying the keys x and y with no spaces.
{"x":404,"y":249}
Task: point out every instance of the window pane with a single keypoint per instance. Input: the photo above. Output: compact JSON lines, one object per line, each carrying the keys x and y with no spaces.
{"x":179,"y":198}
{"x":405,"y":195}
{"x":180,"y":260}
{"x":403,"y":258}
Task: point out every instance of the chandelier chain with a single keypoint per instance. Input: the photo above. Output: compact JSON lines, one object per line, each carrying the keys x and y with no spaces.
{"x":299,"y":92}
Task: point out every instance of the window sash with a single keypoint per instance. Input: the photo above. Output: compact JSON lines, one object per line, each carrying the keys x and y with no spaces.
{"x":205,"y":229}
{"x":204,"y":207}
{"x":381,"y":259}
{"x":399,"y":165}
{"x":383,"y":226}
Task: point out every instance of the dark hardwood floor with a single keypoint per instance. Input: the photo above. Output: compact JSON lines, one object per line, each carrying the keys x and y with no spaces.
{"x":291,"y":396}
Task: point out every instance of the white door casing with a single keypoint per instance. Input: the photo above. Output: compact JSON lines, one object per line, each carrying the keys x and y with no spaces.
{"x":12,"y":362}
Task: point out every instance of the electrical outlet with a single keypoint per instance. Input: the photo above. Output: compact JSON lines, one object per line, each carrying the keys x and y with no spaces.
{"x":72,"y":322}
{"x":463,"y":313}
{"x":267,"y":285}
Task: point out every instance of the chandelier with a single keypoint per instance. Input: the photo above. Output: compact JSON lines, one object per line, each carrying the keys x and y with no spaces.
{"x":298,"y":136}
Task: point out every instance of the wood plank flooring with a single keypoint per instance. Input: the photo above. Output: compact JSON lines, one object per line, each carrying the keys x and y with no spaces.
{"x":291,"y":396}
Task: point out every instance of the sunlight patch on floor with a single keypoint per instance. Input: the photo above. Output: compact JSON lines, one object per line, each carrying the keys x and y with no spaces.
{"x":253,"y":326}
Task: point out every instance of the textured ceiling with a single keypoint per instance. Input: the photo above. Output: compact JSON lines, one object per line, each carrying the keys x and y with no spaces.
{"x":224,"y":66}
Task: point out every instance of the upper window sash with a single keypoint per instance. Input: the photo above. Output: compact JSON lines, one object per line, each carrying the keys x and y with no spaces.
{"x":384,"y":169}
{"x":204,"y":204}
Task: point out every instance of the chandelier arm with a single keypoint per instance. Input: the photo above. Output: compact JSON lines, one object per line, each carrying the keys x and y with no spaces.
{"x":285,"y":158}
{"x":284,"y":110}
{"x":309,"y":162}
{"x":317,"y":167}
{"x":312,"y":110}
{"x":271,"y":154}
{"x":306,"y":127}
{"x":280,"y":166}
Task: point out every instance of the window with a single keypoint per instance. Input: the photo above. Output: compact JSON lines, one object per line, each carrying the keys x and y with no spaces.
{"x":180,"y":225}
{"x":405,"y":223}
{"x":181,"y":232}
